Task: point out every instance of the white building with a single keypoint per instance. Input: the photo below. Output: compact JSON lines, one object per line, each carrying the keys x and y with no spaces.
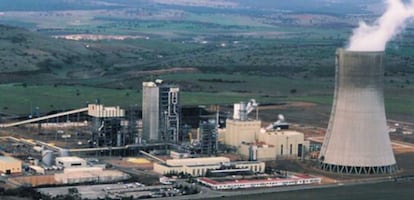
{"x":200,"y":166}
{"x":258,"y":183}
{"x":70,"y":161}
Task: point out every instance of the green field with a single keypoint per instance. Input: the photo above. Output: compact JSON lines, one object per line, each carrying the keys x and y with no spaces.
{"x":225,"y":55}
{"x":197,"y":89}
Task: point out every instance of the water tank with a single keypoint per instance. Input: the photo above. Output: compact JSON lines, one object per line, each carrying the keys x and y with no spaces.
{"x":47,"y":157}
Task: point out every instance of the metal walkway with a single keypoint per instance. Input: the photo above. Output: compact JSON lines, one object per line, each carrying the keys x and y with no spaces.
{"x":43,"y":118}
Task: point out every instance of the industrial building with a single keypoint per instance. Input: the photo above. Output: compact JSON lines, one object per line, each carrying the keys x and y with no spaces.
{"x":70,"y":161}
{"x":10,"y":165}
{"x":275,"y":144}
{"x":231,"y":184}
{"x":357,"y":140}
{"x":255,"y":143}
{"x":208,"y":137}
{"x":241,"y":128}
{"x":238,"y":131}
{"x":89,"y":174}
{"x":106,"y":125}
{"x":161,"y":112}
{"x":200,"y":166}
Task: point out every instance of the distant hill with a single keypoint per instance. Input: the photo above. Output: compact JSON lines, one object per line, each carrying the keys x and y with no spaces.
{"x":24,"y":51}
{"x":50,"y":5}
{"x":33,"y":58}
{"x":325,"y":6}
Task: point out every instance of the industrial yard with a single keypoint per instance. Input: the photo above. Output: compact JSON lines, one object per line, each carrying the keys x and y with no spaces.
{"x":105,"y":152}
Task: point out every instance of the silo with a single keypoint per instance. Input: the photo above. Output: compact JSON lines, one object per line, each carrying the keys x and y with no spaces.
{"x":253,"y":153}
{"x":47,"y":157}
{"x":357,"y":140}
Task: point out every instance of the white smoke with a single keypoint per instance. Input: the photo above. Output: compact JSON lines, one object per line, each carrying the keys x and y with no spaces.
{"x":375,"y":37}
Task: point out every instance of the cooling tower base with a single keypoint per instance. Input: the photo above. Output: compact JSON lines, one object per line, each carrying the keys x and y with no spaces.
{"x":390,"y":169}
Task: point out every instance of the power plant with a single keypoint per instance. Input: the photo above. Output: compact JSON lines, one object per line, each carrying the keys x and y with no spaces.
{"x":357,"y":140}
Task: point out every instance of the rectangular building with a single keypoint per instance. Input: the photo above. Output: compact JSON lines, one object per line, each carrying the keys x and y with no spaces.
{"x":200,"y":166}
{"x":70,"y":161}
{"x":10,"y":165}
{"x":226,"y":184}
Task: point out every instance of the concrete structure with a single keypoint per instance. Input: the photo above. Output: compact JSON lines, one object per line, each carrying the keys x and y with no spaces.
{"x":71,"y":161}
{"x":89,"y":174}
{"x":226,"y":184}
{"x":179,"y":155}
{"x":100,"y":111}
{"x":276,"y":144}
{"x":10,"y":165}
{"x":357,"y":140}
{"x":238,"y":131}
{"x":200,"y":166}
{"x":198,"y":161}
{"x":161,"y":112}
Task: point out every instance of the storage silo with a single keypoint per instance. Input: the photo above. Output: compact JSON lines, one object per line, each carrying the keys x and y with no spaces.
{"x":357,"y":140}
{"x":47,"y":157}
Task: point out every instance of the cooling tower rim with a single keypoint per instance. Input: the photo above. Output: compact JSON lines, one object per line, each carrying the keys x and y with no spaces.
{"x":342,"y":50}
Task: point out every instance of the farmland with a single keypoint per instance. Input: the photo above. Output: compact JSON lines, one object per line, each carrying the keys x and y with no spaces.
{"x":218,"y":52}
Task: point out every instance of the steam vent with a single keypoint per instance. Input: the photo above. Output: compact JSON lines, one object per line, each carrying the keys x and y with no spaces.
{"x":357,"y":140}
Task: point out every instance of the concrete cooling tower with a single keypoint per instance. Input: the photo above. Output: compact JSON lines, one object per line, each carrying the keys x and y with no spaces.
{"x":357,"y":140}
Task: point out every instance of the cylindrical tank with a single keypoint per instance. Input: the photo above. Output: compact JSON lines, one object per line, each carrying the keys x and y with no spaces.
{"x":243,"y":111}
{"x":357,"y":140}
{"x":47,"y":157}
{"x":253,"y":153}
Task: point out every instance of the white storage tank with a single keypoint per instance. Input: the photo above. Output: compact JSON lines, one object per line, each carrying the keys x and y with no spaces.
{"x":47,"y":157}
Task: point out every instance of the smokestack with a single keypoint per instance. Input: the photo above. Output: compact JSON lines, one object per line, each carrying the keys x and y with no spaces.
{"x":357,"y":140}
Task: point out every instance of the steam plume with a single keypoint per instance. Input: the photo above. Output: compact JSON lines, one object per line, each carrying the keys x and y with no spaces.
{"x":375,"y":37}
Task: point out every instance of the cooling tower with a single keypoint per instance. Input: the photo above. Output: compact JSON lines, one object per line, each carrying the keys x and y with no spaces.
{"x":357,"y":140}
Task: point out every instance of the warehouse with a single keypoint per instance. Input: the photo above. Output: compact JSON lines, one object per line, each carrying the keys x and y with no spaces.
{"x":70,"y":161}
{"x":231,"y":184}
{"x":10,"y":165}
{"x":200,"y":166}
{"x":89,"y":174}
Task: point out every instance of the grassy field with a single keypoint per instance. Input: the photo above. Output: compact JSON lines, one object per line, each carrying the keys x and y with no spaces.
{"x":18,"y":99}
{"x":197,"y":89}
{"x":267,"y":54}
